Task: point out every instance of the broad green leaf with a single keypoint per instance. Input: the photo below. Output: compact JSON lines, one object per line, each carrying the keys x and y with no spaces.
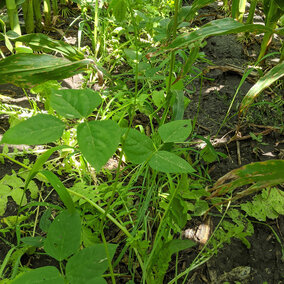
{"x":42,"y":275}
{"x":75,"y":103}
{"x":175,"y":131}
{"x":162,"y":257}
{"x":29,"y":70}
{"x":39,"y":129}
{"x":167,"y":162}
{"x":268,"y":204}
{"x":98,"y":140}
{"x":4,"y":193}
{"x":41,"y":42}
{"x":259,"y":175}
{"x":119,"y":8}
{"x":19,"y":196}
{"x":200,"y":207}
{"x":138,"y":147}
{"x":60,"y":189}
{"x":269,"y":78}
{"x":217,"y":27}
{"x":89,"y":263}
{"x":33,"y":241}
{"x":12,"y":180}
{"x":63,"y":236}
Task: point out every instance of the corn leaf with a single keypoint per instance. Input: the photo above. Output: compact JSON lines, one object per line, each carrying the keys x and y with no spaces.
{"x":259,"y":175}
{"x":41,"y":42}
{"x":269,"y":78}
{"x":217,"y":27}
{"x":29,"y":70}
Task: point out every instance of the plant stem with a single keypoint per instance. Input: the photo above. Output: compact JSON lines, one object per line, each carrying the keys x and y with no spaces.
{"x":253,"y":4}
{"x":37,"y":15}
{"x":29,"y":16}
{"x":273,"y":15}
{"x":172,"y":64}
{"x":47,"y":12}
{"x":12,"y":12}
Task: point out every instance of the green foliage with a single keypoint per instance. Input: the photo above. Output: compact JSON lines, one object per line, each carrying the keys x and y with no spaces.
{"x":39,"y":129}
{"x":158,"y":183}
{"x":98,"y":141}
{"x":13,"y":186}
{"x":268,"y":204}
{"x":29,"y":70}
{"x":41,"y":275}
{"x":237,"y":227}
{"x":63,"y":236}
{"x":74,"y":103}
{"x":62,"y":243}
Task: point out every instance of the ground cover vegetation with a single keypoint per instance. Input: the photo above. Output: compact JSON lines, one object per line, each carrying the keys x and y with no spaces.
{"x":111,"y":180}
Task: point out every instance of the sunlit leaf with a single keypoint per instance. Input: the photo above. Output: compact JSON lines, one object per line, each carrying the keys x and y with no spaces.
{"x":167,"y":162}
{"x":29,"y":70}
{"x":259,"y":175}
{"x":138,"y":147}
{"x":74,"y":103}
{"x":39,"y":129}
{"x":217,"y":27}
{"x":98,"y":140}
{"x":175,"y":131}
{"x":41,"y":42}
{"x":269,"y":78}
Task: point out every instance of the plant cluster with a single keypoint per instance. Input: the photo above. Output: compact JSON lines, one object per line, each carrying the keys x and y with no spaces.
{"x":141,"y":56}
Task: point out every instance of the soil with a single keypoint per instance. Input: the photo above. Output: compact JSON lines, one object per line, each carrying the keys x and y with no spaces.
{"x":235,"y":263}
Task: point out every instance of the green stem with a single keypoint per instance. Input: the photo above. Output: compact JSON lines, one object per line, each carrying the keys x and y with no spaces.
{"x":12,"y":12}
{"x":37,"y":15}
{"x":47,"y":12}
{"x":96,"y":42}
{"x":253,"y":4}
{"x":273,"y":15}
{"x":158,"y":236}
{"x":28,"y":12}
{"x":55,"y":7}
{"x":172,"y":64}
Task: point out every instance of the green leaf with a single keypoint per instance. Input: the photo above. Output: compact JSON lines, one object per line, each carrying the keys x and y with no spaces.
{"x":75,"y":103}
{"x":268,"y":204}
{"x":217,"y":27}
{"x":63,"y":236}
{"x":158,"y":98}
{"x":39,"y":129}
{"x":200,"y":207}
{"x":4,"y":193}
{"x":119,"y":8}
{"x":33,"y":241}
{"x":175,"y":131}
{"x":138,"y":147}
{"x":19,"y":196}
{"x":89,"y":263}
{"x":42,"y":275}
{"x":98,"y":140}
{"x":41,"y":42}
{"x":269,"y":78}
{"x":60,"y":189}
{"x":167,"y":162}
{"x":29,"y":70}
